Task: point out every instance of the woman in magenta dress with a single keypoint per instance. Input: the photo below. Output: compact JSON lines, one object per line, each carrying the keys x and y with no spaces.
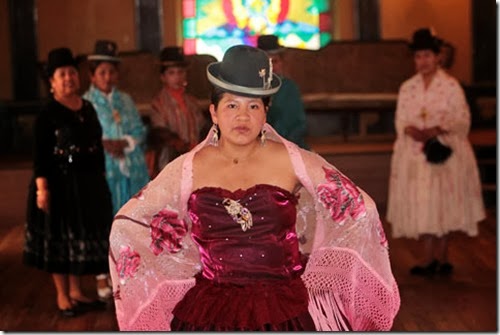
{"x":249,"y":232}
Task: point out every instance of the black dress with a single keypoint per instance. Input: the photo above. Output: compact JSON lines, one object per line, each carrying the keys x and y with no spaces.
{"x":74,"y":237}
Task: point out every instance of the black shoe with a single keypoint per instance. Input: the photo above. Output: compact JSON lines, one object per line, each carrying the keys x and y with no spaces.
{"x":427,"y":270}
{"x":89,"y":306}
{"x":445,"y":269}
{"x":68,"y":312}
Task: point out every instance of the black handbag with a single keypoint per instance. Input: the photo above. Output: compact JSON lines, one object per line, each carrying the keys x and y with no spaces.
{"x":436,"y":152}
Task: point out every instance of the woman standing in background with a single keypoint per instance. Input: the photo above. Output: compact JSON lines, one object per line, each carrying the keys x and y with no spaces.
{"x":69,"y":211}
{"x":123,"y":133}
{"x":434,"y":186}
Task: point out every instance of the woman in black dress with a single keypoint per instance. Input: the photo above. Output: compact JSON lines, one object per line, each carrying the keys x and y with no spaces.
{"x":69,"y":211}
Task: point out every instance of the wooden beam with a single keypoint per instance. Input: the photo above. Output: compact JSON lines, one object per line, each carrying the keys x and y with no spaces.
{"x":23,"y":45}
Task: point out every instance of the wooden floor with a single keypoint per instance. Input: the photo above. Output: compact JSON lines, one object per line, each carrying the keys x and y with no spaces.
{"x":466,"y":301}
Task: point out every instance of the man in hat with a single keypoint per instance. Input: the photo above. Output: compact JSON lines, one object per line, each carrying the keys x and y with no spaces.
{"x":176,"y":117}
{"x":286,"y":113}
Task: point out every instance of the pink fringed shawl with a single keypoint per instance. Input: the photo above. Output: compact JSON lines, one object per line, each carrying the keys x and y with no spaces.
{"x":348,"y":275}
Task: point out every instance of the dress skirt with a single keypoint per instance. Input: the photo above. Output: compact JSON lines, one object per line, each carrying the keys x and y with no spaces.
{"x":74,"y":237}
{"x":260,"y":305}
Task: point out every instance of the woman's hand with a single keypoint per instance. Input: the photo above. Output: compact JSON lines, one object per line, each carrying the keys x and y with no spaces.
{"x":43,"y":200}
{"x":115,"y":147}
{"x":434,"y":131}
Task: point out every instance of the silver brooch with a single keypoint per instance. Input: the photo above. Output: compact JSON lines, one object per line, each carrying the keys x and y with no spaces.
{"x":238,"y":213}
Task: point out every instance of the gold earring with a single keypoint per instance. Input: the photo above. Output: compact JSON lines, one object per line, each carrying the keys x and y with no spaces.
{"x":52,"y":90}
{"x":215,"y":135}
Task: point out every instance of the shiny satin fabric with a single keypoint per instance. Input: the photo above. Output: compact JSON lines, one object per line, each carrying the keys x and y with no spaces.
{"x":250,"y":278}
{"x":269,"y":249}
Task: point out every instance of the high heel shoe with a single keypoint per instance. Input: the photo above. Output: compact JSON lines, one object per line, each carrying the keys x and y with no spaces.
{"x":445,"y":269}
{"x":88,"y":305}
{"x":104,"y":290}
{"x":68,"y":312}
{"x":426,"y":270}
{"x":104,"y":293}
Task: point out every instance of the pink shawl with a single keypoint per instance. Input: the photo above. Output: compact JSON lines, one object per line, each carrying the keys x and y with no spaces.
{"x":348,"y":275}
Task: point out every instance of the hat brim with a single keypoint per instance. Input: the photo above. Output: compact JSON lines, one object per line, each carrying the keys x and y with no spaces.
{"x":275,"y":51}
{"x":174,"y":63}
{"x":434,"y":45}
{"x":103,"y":58}
{"x":213,"y":74}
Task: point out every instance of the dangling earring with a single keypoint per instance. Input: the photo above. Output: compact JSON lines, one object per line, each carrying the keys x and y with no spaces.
{"x":215,"y":135}
{"x":262,"y":137}
{"x":52,"y":90}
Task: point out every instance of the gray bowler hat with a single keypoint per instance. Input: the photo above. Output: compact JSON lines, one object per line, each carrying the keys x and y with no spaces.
{"x":244,"y":70}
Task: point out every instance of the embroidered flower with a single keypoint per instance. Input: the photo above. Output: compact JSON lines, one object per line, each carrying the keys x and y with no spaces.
{"x":117,"y":294}
{"x":127,"y":263}
{"x":381,"y":234}
{"x":340,"y":196}
{"x":167,"y":231}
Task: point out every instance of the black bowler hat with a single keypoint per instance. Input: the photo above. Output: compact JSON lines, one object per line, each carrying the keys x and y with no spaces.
{"x":244,"y":70}
{"x":172,"y":56}
{"x":424,"y":39}
{"x":105,"y":50}
{"x":59,"y":57}
{"x":270,"y":44}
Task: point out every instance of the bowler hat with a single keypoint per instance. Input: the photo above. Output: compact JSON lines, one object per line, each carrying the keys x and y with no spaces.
{"x":269,"y":43}
{"x":244,"y":70}
{"x":105,"y":51}
{"x":59,"y":57}
{"x":172,"y":56}
{"x":424,"y":39}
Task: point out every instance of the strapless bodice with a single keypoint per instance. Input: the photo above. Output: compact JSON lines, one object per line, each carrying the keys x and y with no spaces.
{"x":246,"y":234}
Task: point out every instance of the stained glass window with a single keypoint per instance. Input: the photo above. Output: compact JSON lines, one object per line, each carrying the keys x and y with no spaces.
{"x":212,"y":26}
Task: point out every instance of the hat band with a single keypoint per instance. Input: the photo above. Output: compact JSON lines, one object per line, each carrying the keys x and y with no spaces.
{"x":104,"y":58}
{"x":173,"y":62}
{"x":274,"y":51}
{"x":242,"y":89}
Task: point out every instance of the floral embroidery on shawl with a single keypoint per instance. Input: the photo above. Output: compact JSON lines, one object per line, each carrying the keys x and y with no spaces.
{"x":381,"y":234}
{"x":167,"y":231}
{"x":128,"y":263}
{"x":341,"y":197}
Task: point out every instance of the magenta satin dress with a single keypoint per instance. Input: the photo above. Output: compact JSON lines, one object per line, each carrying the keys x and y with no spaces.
{"x":251,"y":263}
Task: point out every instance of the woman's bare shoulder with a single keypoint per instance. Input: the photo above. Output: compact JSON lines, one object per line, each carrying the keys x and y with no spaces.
{"x":204,"y":156}
{"x":276,"y":147}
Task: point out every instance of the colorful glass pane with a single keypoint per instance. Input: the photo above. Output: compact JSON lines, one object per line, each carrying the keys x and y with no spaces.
{"x":212,"y":26}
